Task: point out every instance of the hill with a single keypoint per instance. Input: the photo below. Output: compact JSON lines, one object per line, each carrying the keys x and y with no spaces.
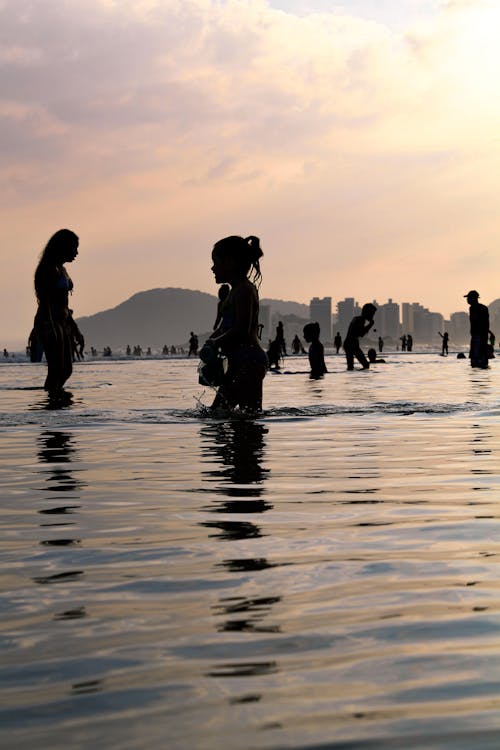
{"x":286,"y":307}
{"x":151,"y":318}
{"x":162,"y":316}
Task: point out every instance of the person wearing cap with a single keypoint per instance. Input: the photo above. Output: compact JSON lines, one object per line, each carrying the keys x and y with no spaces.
{"x":479,"y":327}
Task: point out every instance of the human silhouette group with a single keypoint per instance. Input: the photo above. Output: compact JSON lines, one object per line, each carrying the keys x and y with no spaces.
{"x":232,"y":359}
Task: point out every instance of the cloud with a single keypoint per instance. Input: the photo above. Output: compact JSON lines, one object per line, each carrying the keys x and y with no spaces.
{"x":165,"y":122}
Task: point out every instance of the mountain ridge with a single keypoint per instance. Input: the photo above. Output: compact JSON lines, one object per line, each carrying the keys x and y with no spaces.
{"x":163,"y":315}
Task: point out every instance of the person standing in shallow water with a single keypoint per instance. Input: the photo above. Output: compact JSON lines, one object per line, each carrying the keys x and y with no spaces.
{"x":358,"y":326}
{"x":54,"y":324}
{"x":316,"y":351}
{"x":236,"y":261}
{"x":479,"y":317}
{"x":444,"y":346}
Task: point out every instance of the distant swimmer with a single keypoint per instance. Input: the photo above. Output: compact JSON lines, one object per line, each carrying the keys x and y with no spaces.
{"x":54,"y":324}
{"x":316,"y":350}
{"x":373,"y":359}
{"x":236,"y":261}
{"x":297,"y":347}
{"x":359,"y":326}
{"x":479,"y":329}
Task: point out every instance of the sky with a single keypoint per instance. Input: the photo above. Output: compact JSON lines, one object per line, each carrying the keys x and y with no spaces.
{"x":359,"y":140}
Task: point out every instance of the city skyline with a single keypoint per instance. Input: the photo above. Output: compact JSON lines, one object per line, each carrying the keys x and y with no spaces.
{"x":20,"y":342}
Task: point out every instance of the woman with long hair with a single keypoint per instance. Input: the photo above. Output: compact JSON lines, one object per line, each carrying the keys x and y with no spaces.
{"x":54,"y":324}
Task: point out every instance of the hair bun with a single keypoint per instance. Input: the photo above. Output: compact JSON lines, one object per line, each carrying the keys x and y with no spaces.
{"x":254,"y":244}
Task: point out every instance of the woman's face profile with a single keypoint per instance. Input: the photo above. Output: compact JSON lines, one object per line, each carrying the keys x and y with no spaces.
{"x":71,"y":251}
{"x":222,"y":267}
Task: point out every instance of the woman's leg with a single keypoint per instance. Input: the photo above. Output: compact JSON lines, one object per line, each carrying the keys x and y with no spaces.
{"x":57,"y":347}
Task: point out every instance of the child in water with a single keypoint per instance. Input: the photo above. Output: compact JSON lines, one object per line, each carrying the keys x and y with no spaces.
{"x":316,"y":350}
{"x":359,"y":325}
{"x":236,"y":262}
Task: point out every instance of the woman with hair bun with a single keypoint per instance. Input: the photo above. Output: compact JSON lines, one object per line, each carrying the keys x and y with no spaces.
{"x":54,"y":325}
{"x":236,"y":262}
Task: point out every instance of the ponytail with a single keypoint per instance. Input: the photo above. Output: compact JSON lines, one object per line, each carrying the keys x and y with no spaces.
{"x":254,"y":255}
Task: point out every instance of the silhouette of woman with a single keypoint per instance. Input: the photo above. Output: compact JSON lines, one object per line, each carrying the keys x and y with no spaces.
{"x":54,"y":323}
{"x":236,"y":262}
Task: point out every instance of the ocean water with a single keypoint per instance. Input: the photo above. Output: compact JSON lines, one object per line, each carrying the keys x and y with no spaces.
{"x":325,"y":576}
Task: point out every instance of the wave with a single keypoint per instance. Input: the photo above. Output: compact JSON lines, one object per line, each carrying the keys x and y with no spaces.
{"x":66,"y":415}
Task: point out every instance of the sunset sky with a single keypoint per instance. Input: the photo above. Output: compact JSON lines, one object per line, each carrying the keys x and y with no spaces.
{"x":360,"y":140}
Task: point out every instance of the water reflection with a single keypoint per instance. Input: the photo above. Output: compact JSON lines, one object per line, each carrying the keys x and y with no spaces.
{"x":246,"y":614}
{"x":62,"y":400}
{"x":56,"y":453}
{"x":57,"y":449}
{"x":237,"y":448}
{"x":234,"y":453}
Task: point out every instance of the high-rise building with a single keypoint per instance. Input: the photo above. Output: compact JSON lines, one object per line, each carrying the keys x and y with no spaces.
{"x":408,"y":324}
{"x":320,"y":311}
{"x":459,"y":329}
{"x":346,"y":310}
{"x":387,"y":320}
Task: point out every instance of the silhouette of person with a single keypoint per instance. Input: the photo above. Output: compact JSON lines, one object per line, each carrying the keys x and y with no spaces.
{"x":236,"y":261}
{"x":479,"y":328}
{"x":274,"y":354}
{"x":5,"y":353}
{"x":359,"y":325}
{"x":35,"y":347}
{"x":223,"y":294}
{"x":380,"y":344}
{"x":444,"y":343}
{"x":297,"y":347}
{"x":337,"y":341}
{"x":372,"y":357}
{"x":280,"y":338}
{"x":54,"y":324}
{"x":316,"y":350}
{"x":193,"y":344}
{"x":403,"y":340}
{"x":492,"y":339}
{"x":128,"y":350}
{"x":409,"y":342}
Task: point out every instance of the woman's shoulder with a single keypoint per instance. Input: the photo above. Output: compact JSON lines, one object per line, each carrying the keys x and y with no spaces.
{"x":246,"y":289}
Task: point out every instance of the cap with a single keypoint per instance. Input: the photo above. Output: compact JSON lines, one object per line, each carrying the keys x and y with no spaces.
{"x":472,"y":293}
